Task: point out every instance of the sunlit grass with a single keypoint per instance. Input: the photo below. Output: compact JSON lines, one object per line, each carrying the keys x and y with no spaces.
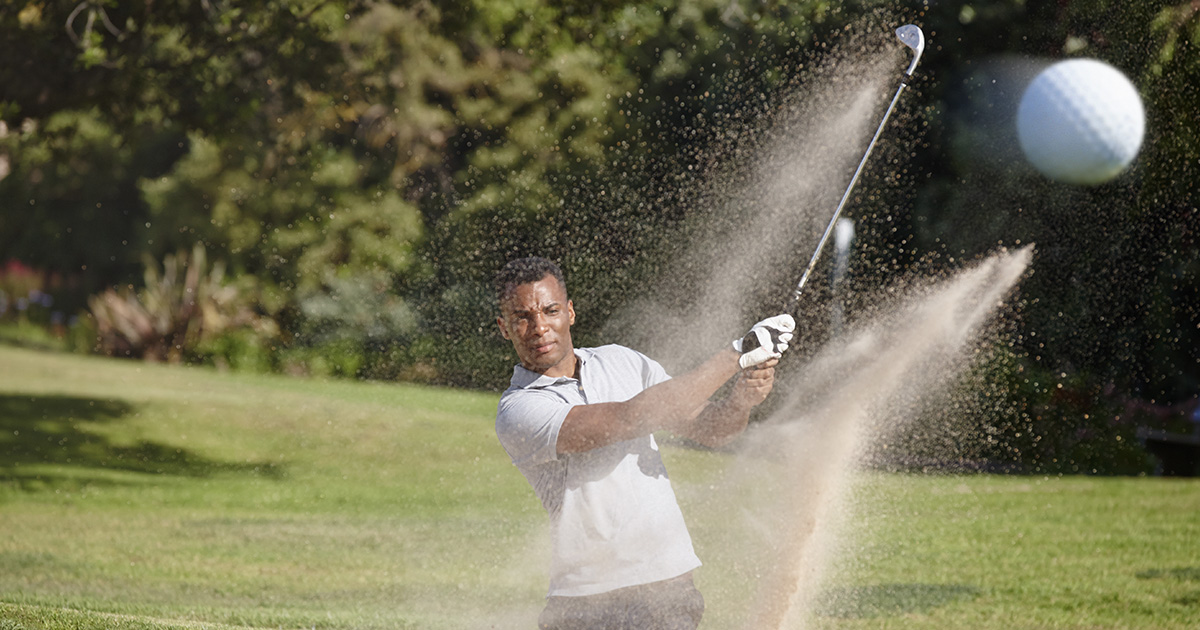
{"x":978,"y":551}
{"x":147,"y":496}
{"x":177,"y":493}
{"x":1033,"y":552}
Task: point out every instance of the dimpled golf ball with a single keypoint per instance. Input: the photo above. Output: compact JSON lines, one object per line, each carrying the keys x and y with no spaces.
{"x":1081,"y":121}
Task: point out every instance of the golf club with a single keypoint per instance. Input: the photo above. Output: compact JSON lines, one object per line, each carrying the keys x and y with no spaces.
{"x":912,"y":36}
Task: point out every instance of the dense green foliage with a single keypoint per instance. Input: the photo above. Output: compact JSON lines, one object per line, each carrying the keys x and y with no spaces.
{"x":1113,"y":258}
{"x":1110,"y":318}
{"x":335,"y":149}
{"x":362,"y":167}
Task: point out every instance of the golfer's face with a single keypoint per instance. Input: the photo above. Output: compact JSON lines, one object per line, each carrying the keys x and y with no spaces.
{"x":537,"y":319}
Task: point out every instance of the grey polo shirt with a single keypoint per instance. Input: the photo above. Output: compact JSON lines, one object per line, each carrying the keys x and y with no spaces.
{"x":614,"y":519}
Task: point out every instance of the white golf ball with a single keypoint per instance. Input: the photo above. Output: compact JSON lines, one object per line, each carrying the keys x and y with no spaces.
{"x":1081,"y":121}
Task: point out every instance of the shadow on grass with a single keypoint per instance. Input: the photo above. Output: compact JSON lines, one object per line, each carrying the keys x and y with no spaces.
{"x":1183,"y":574}
{"x":49,"y":429}
{"x":888,"y":600}
{"x":1190,"y":574}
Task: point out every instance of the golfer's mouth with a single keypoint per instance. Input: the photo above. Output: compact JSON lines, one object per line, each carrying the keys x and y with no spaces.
{"x":542,"y":347}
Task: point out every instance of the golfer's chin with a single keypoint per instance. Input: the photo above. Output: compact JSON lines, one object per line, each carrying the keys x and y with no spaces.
{"x":544,"y":359}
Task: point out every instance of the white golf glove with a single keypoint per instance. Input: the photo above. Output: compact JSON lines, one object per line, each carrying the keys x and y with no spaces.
{"x":766,"y":340}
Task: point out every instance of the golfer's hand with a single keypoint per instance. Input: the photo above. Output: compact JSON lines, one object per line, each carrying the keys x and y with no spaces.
{"x":754,"y":384}
{"x":766,"y":340}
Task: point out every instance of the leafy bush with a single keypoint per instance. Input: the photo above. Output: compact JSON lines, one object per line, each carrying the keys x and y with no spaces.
{"x":463,"y":347}
{"x":37,"y":309}
{"x":1035,"y":420}
{"x":354,"y":325}
{"x":25,"y":294}
{"x":175,"y":312}
{"x":243,"y":349}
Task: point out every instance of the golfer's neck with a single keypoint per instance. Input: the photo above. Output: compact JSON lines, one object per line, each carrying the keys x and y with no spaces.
{"x":569,"y":367}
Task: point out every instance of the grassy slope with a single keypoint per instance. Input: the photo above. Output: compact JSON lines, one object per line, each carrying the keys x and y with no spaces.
{"x":140,"y":496}
{"x":184,"y":493}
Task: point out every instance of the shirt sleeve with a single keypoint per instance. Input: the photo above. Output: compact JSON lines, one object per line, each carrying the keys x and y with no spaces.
{"x":652,"y":372}
{"x":528,"y":422}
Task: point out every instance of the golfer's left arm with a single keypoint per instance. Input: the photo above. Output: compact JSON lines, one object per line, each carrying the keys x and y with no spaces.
{"x":718,"y":422}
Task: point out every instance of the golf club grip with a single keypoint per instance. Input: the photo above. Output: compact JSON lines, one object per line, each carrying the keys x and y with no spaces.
{"x":749,"y":342}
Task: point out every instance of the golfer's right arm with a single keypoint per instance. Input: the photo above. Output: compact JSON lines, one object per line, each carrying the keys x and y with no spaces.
{"x":673,"y":404}
{"x":668,"y":406}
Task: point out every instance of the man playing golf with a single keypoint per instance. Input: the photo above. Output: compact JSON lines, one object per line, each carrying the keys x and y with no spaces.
{"x":578,"y":423}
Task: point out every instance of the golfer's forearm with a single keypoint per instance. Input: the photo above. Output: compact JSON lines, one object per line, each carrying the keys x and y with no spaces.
{"x":672,"y":405}
{"x":718,"y":423}
{"x":669,"y":406}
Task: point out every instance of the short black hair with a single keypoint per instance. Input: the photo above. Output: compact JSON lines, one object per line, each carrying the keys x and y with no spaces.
{"x":524,"y":271}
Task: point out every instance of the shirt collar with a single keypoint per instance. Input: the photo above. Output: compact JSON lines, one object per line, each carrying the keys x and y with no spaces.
{"x":523,"y":378}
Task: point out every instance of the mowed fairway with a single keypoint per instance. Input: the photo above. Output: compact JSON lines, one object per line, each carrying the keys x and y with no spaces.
{"x":156,"y":492}
{"x":149,"y":496}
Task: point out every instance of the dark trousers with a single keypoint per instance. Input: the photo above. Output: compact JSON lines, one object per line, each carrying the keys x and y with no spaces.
{"x":673,"y":604}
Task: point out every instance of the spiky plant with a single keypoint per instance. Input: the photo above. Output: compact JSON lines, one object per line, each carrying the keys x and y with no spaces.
{"x":177,"y":307}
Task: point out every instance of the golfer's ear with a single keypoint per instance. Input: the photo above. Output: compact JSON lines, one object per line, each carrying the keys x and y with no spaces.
{"x":500,"y":324}
{"x":570,"y":313}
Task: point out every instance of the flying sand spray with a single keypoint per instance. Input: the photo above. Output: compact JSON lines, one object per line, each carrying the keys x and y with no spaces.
{"x":813,"y":455}
{"x":792,"y":470}
{"x":854,"y":391}
{"x":779,"y":592}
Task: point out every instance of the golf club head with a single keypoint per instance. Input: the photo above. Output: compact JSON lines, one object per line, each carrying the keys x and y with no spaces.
{"x":910,"y":35}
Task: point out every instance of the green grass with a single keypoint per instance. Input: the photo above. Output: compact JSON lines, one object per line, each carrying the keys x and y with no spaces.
{"x":160,"y":492}
{"x":140,"y":496}
{"x":1028,"y":553}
